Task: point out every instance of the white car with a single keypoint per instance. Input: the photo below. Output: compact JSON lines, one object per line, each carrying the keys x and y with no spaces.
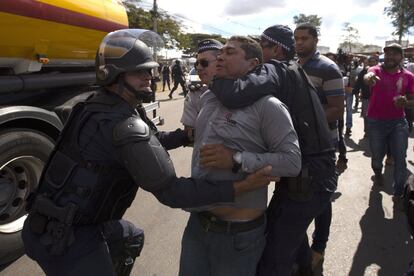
{"x":192,"y":78}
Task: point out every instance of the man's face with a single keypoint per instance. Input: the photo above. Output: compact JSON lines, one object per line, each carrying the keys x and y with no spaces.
{"x":232,"y":63}
{"x":372,"y":62}
{"x":140,"y":80}
{"x":305,"y":43}
{"x":392,"y":58}
{"x":269,"y":50}
{"x":206,"y":66}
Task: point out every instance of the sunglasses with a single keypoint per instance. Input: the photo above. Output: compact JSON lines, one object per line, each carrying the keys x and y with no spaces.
{"x":203,"y":62}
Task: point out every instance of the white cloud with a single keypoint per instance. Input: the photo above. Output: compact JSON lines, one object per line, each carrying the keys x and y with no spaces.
{"x":229,"y":17}
{"x":244,"y":7}
{"x":364,"y":3}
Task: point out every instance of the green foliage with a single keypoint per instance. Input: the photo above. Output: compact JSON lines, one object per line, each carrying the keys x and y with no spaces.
{"x":312,"y":18}
{"x":167,"y":26}
{"x":402,"y":14}
{"x":137,"y":17}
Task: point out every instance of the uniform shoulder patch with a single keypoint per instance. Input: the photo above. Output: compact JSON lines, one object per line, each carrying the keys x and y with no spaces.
{"x":130,"y":130}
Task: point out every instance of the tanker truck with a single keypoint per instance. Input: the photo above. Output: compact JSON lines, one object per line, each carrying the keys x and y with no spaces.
{"x":47,"y":55}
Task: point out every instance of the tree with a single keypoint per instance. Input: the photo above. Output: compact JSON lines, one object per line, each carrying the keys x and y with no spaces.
{"x":167,"y":27}
{"x":197,"y":37}
{"x":350,"y":38}
{"x":312,"y":18}
{"x":402,"y":15}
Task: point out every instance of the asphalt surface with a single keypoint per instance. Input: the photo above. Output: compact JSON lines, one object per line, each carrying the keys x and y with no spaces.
{"x":368,"y":237}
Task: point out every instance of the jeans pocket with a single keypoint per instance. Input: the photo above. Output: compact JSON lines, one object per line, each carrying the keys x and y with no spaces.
{"x":249,"y":240}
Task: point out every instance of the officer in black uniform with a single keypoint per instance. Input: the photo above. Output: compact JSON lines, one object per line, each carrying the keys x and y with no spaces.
{"x":179,"y":79}
{"x":107,"y":149}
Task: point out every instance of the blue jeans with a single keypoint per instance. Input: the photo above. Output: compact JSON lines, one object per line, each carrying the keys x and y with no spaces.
{"x":287,"y":225}
{"x":205,"y":253}
{"x":392,"y":133}
{"x":349,"y":98}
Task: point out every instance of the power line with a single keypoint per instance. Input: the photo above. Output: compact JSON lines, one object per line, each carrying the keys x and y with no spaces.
{"x":148,"y":5}
{"x":205,"y":25}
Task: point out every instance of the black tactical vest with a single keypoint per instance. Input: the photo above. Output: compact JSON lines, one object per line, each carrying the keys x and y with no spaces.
{"x":101,"y":192}
{"x":307,"y":113}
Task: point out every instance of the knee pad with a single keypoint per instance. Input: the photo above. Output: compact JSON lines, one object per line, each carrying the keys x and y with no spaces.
{"x":125,"y":242}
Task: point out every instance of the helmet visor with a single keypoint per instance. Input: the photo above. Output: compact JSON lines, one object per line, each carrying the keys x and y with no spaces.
{"x":118,"y":43}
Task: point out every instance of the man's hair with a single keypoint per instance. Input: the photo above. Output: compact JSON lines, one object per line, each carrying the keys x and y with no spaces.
{"x":308,"y":26}
{"x":251,"y":48}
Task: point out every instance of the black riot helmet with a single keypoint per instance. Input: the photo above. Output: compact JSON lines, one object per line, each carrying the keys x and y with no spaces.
{"x":126,"y":50}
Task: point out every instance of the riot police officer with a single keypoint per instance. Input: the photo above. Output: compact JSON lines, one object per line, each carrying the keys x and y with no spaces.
{"x":107,"y":149}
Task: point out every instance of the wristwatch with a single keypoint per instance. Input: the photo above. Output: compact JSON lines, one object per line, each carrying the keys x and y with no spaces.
{"x":237,"y":161}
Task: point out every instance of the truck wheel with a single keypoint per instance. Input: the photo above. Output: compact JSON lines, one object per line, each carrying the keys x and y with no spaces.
{"x":23,"y":154}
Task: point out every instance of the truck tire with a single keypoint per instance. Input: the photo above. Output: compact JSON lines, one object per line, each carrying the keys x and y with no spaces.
{"x":23,"y":154}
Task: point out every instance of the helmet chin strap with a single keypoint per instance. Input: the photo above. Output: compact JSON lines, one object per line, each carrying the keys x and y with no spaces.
{"x":139,"y":94}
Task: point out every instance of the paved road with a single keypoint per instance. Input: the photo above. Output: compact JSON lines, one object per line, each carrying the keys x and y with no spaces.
{"x":367,"y":236}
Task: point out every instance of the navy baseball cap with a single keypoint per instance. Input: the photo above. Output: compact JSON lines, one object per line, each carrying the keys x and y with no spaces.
{"x":280,"y":35}
{"x":209,"y":44}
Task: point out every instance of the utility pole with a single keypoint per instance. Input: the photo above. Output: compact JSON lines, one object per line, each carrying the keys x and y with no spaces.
{"x":155,"y":16}
{"x":155,"y":71}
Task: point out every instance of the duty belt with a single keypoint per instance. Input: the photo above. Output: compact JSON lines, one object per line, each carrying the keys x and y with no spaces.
{"x":211,"y":223}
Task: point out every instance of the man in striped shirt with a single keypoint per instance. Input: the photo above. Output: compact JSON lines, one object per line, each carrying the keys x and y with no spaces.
{"x":327,"y":78}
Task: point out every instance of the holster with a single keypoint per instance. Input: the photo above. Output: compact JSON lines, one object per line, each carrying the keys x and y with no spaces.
{"x":53,"y":223}
{"x":300,"y":187}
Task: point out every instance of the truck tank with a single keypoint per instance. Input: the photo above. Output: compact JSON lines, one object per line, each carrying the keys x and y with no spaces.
{"x":55,"y":33}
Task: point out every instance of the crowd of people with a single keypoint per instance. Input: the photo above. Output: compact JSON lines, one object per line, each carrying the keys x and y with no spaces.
{"x":270,"y":109}
{"x":336,"y":83}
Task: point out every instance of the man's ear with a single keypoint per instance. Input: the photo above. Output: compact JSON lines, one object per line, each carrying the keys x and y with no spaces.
{"x":253,"y":63}
{"x":276,"y":50}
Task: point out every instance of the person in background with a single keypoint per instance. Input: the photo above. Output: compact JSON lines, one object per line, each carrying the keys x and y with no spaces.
{"x":178,"y":77}
{"x":392,"y":90}
{"x":165,"y":71}
{"x":364,"y":89}
{"x":327,"y":78}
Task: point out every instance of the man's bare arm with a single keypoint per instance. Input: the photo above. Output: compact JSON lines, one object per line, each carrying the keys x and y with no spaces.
{"x":334,"y":110}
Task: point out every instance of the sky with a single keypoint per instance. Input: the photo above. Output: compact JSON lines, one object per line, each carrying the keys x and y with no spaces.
{"x":252,"y":17}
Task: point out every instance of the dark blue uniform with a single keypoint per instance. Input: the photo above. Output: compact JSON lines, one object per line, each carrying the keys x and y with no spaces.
{"x":103,"y":155}
{"x":179,"y":79}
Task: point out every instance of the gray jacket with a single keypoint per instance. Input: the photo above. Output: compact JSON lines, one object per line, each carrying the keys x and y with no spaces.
{"x":263,"y":132}
{"x":192,"y":106}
